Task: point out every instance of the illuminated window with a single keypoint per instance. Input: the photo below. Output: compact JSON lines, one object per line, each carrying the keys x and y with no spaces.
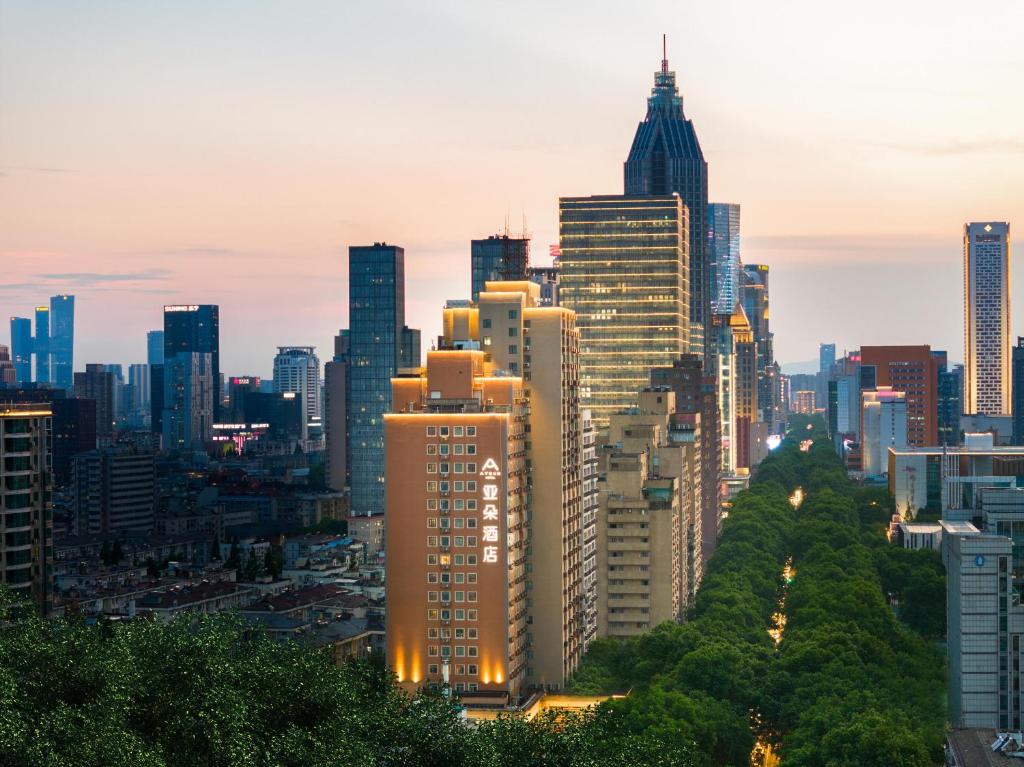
{"x":432,"y":487}
{"x":431,"y":521}
{"x":445,"y":560}
{"x":431,"y":468}
{"x":432,"y":615}
{"x":431,"y":449}
{"x":432,"y":633}
{"x":432,"y":540}
{"x":432,"y":650}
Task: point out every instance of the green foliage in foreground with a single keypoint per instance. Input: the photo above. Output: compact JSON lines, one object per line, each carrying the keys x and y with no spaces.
{"x":208,"y":692}
{"x":848,"y":685}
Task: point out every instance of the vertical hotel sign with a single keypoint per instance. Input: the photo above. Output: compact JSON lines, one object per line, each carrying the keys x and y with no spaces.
{"x":491,"y":474}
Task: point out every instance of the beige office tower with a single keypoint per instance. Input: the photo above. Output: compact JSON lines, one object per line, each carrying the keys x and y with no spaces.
{"x":541,"y":344}
{"x":987,"y":383}
{"x":648,"y":508}
{"x":624,"y":271}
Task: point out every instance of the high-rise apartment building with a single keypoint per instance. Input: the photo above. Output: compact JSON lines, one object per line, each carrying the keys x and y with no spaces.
{"x":666,"y":157}
{"x":754,"y":290}
{"x":745,"y":373}
{"x":724,"y":256}
{"x":297,"y":369}
{"x":987,"y":318}
{"x":804,"y":402}
{"x":721,"y":353}
{"x":542,"y":345}
{"x":457,"y":531}
{"x":155,"y":347}
{"x":697,"y":394}
{"x":379,"y":344}
{"x":591,"y":506}
{"x":885,"y":418}
{"x":112,"y":491}
{"x":647,"y":515}
{"x":913,"y":370}
{"x":195,"y":329}
{"x":500,"y":257}
{"x":62,"y":341}
{"x":188,"y":401}
{"x":97,"y":383}
{"x":26,"y":547}
{"x":624,"y":272}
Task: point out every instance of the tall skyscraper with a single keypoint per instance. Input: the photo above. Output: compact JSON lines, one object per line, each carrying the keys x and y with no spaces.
{"x":188,"y":412}
{"x":21,"y":349}
{"x":297,"y":369}
{"x":155,"y":347}
{"x":41,"y":344}
{"x":62,"y":340}
{"x":987,"y":317}
{"x":97,"y":383}
{"x":335,"y":420}
{"x":826,"y":358}
{"x":457,"y":530}
{"x":624,"y":272}
{"x":195,"y":328}
{"x":754,"y":291}
{"x":666,"y":157}
{"x":376,"y":317}
{"x":949,"y":402}
{"x":499,"y":257}
{"x":26,"y":548}
{"x":1018,"y":392}
{"x":724,"y":255}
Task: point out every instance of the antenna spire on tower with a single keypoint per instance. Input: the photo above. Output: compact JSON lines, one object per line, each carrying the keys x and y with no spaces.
{"x":664,"y":54}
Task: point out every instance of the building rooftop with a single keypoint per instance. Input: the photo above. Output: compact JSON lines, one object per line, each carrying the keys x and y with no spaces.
{"x":973,"y":748}
{"x":958,"y":528}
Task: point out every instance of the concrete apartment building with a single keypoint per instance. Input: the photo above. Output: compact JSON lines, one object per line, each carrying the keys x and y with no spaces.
{"x":649,"y":511}
{"x":26,"y":547}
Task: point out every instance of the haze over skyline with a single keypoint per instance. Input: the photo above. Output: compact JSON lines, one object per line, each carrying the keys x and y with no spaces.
{"x":192,"y":153}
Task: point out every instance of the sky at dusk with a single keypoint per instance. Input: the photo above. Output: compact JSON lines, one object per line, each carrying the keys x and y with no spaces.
{"x":229,"y":152}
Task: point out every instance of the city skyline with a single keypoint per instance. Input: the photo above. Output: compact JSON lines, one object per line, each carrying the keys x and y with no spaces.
{"x":279,"y":188}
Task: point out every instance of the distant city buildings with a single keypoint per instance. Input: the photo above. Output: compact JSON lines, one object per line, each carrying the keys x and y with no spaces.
{"x":112,"y":491}
{"x":97,"y":383}
{"x":52,"y":345}
{"x":297,"y":370}
{"x":191,"y":401}
{"x":987,"y":318}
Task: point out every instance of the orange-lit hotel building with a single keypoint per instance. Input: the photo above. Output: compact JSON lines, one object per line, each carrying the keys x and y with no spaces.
{"x":456,"y":510}
{"x":489,"y":537}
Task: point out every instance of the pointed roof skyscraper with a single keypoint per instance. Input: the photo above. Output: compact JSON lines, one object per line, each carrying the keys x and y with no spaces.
{"x":666,"y":157}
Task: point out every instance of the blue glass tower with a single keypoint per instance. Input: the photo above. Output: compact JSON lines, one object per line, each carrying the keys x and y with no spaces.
{"x":666,"y":157}
{"x":62,"y":340}
{"x":376,"y":316}
{"x":724,"y":255}
{"x":21,"y":348}
{"x":195,"y":328}
{"x":155,"y":347}
{"x":41,"y":344}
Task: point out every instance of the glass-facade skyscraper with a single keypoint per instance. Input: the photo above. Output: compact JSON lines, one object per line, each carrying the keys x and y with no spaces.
{"x":62,"y":340}
{"x":376,"y":316}
{"x":666,"y":157}
{"x":724,"y":255}
{"x":155,"y":347}
{"x":21,"y":348}
{"x":499,"y":257}
{"x":624,"y":271}
{"x":41,"y":344}
{"x":195,"y":328}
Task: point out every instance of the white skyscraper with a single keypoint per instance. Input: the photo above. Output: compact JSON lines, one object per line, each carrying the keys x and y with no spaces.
{"x":884,"y":413}
{"x":297,"y":369}
{"x":987,"y":318}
